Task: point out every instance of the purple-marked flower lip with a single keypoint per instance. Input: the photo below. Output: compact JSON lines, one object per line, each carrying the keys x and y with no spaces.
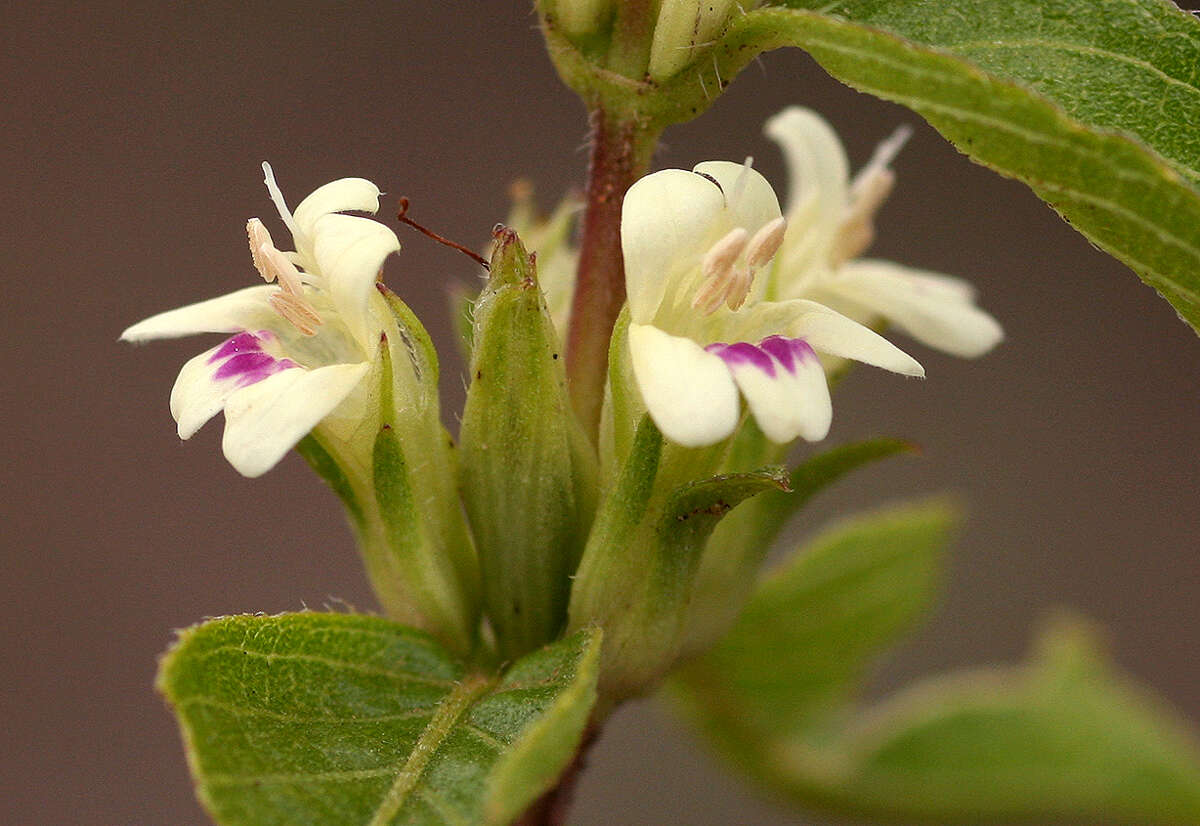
{"x":243,"y":359}
{"x":743,"y":352}
{"x":789,"y":353}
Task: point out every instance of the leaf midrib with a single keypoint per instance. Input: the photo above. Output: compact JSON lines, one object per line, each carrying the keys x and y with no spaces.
{"x":440,"y":726}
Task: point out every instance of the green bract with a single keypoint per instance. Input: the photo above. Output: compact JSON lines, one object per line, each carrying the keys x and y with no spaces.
{"x":528,"y":474}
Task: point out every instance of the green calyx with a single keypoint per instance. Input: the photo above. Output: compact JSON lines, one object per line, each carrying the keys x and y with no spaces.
{"x":394,"y":471}
{"x":638,"y":572}
{"x":527,"y":473}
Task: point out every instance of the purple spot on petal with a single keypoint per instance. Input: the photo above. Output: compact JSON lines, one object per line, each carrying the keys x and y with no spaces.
{"x":244,"y":363}
{"x":241,"y":343}
{"x":242,"y":358}
{"x":740,"y":353}
{"x":790,"y":352}
{"x":803,"y":351}
{"x":781,"y":349}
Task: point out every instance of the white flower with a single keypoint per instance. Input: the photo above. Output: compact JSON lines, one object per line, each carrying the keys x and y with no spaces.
{"x":700,"y":328}
{"x":299,"y":349}
{"x":830,"y":224}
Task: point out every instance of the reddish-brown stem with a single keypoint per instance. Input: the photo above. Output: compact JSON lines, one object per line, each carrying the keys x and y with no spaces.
{"x":551,"y":808}
{"x":621,"y":151}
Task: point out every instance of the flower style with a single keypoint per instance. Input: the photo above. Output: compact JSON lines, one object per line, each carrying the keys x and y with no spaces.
{"x":300,"y":347}
{"x":830,"y":222}
{"x":700,"y":327}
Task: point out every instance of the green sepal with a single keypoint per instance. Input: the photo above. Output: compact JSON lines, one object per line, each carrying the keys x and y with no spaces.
{"x":623,"y":405}
{"x":325,"y":466}
{"x":740,"y":543}
{"x":638,"y":571}
{"x":346,"y":720}
{"x":527,"y":472}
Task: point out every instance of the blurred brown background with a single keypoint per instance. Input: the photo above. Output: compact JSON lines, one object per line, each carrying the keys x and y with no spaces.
{"x":131,"y":140}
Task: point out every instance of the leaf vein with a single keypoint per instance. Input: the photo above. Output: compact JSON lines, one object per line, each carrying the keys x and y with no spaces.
{"x":331,"y":662}
{"x":254,"y":711}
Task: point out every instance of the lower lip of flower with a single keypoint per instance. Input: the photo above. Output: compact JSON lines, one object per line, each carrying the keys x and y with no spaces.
{"x":243,"y":359}
{"x":788,"y":353}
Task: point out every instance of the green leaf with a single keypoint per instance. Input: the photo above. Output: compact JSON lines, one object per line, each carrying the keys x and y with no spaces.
{"x":740,"y":543}
{"x":345,"y":720}
{"x":803,"y":641}
{"x":1062,"y":737}
{"x":1093,"y":103}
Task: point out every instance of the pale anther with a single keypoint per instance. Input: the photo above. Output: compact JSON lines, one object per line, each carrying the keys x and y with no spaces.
{"x":739,"y":287}
{"x":295,"y":311}
{"x":766,"y":243}
{"x":717,"y":268}
{"x":721,"y":255}
{"x":259,"y":236}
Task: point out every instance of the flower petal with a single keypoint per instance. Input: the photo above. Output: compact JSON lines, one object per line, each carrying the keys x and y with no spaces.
{"x":818,"y":170}
{"x":826,"y":331}
{"x":784,"y":385}
{"x":689,"y":393}
{"x":934,"y":309}
{"x":245,"y":309}
{"x":818,"y":190}
{"x":751,"y":201}
{"x":209,"y":379}
{"x":350,"y":252}
{"x":666,"y":220}
{"x":343,"y":195}
{"x":266,"y":420}
{"x":197,"y":396}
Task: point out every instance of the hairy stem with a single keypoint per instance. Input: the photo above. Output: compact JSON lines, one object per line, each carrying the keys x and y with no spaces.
{"x":621,"y":150}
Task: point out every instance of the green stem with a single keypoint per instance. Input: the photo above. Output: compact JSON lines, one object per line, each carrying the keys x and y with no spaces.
{"x":621,"y":150}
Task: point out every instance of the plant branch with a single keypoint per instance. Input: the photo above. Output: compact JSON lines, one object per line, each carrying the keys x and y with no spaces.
{"x":621,"y":150}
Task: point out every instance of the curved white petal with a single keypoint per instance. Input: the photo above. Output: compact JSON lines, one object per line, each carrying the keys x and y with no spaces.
{"x":245,"y":309}
{"x":350,"y":252}
{"x":666,"y":220}
{"x":750,"y":199}
{"x":787,"y":400}
{"x":818,"y":191}
{"x":266,"y":420}
{"x":934,"y":309}
{"x":197,"y":396}
{"x":818,"y":171}
{"x":689,"y":393}
{"x":346,"y":194}
{"x":825,"y":330}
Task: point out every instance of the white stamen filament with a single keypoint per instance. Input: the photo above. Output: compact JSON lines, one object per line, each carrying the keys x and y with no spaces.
{"x":277,"y":199}
{"x":739,"y":186}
